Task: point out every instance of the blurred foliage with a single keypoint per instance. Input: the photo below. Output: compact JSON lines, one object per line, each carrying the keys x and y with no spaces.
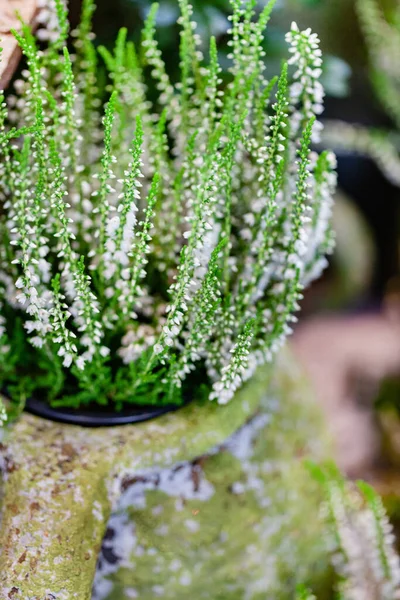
{"x":211,"y":17}
{"x":389,"y":394}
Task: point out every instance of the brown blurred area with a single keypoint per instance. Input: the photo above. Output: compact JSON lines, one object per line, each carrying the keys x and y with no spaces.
{"x":346,"y":358}
{"x":8,"y":20}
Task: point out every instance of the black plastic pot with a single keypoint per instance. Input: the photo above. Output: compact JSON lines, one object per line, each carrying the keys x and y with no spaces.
{"x":97,"y":416}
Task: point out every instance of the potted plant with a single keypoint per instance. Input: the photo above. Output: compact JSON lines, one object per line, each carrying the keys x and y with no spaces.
{"x":153,"y":255}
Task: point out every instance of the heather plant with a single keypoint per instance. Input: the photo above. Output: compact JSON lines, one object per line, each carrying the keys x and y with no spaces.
{"x":382,"y":36}
{"x":365,"y":559}
{"x":150,"y":246}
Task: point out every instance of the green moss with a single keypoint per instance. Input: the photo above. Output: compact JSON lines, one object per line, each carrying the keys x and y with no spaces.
{"x":229,"y":554}
{"x":62,"y":482}
{"x":257,"y":536}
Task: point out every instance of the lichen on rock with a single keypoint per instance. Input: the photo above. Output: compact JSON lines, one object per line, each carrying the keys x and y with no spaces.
{"x":237,"y":523}
{"x":211,"y":502}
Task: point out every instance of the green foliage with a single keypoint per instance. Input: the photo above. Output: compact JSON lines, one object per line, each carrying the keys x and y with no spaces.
{"x":382,"y":36}
{"x":159,"y":244}
{"x":383,"y":41}
{"x":303,"y":593}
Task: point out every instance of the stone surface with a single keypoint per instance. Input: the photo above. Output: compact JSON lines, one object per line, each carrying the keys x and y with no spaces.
{"x":256,"y":528}
{"x":237,"y":524}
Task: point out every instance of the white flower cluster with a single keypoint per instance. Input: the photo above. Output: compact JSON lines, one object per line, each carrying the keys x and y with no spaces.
{"x":367,"y":562}
{"x":318,"y":230}
{"x":47,"y":21}
{"x":153,"y":58}
{"x":232,"y":373}
{"x":201,"y":326}
{"x":147,"y":248}
{"x":120,"y":229}
{"x":135,"y":342}
{"x":62,"y":335}
{"x":307,"y":90}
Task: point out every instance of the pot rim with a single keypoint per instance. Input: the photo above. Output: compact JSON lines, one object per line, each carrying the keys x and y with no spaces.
{"x":102,"y":417}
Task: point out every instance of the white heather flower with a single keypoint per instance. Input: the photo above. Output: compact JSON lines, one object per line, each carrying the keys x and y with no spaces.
{"x":80,"y":362}
{"x":231,"y":379}
{"x":37,"y":341}
{"x":140,"y":250}
{"x":136,"y":342}
{"x":366,"y":559}
{"x":306,"y":93}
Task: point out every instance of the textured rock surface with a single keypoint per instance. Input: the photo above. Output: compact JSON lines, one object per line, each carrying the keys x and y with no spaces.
{"x":237,"y":524}
{"x":233,"y":523}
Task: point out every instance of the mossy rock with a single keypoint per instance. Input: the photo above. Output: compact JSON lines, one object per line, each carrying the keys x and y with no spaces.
{"x":209,"y":502}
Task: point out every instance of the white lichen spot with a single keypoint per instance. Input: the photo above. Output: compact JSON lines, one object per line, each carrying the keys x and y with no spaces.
{"x":241,"y":443}
{"x":119,"y":544}
{"x":162,"y":530}
{"x":192,"y":525}
{"x":157,"y":510}
{"x":175,"y":565}
{"x":238,"y":487}
{"x":158,"y":590}
{"x":97,"y":511}
{"x":185,"y":579}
